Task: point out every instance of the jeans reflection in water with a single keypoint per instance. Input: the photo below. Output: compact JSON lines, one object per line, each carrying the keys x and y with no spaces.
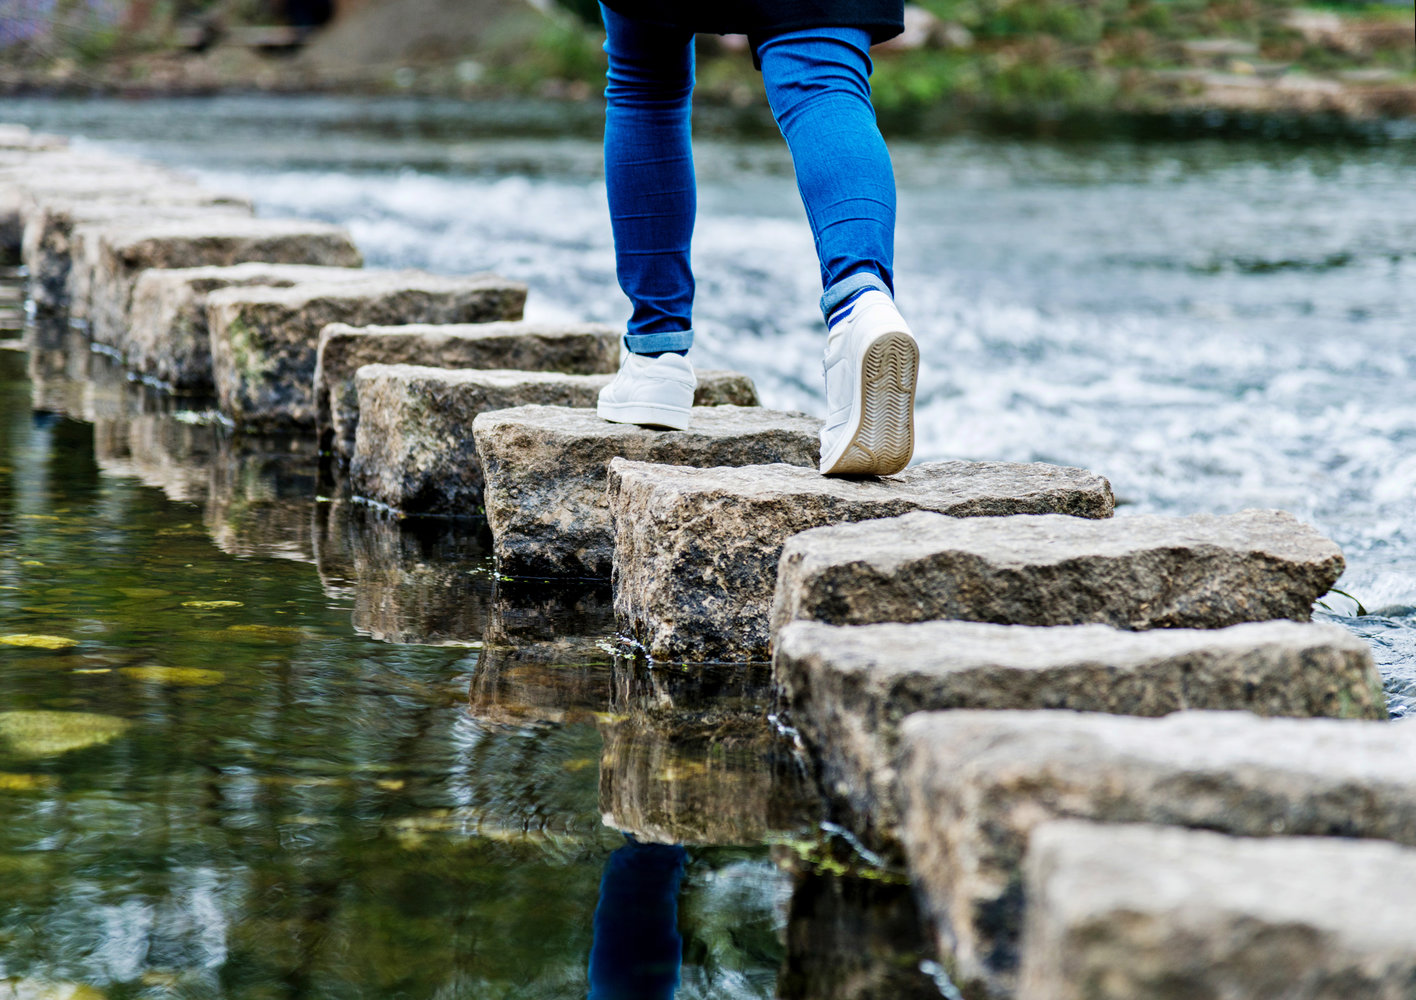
{"x":638,"y":950}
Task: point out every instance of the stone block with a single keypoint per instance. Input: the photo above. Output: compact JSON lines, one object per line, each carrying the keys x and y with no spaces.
{"x":546,"y":469}
{"x":264,"y":340}
{"x":108,"y":257}
{"x":571,"y":349}
{"x":848,"y":687}
{"x":974,"y":785}
{"x":167,"y":338}
{"x":696,"y":550}
{"x":84,"y":175}
{"x":47,"y":247}
{"x":1149,"y":913}
{"x":414,"y":451}
{"x":1147,"y":571}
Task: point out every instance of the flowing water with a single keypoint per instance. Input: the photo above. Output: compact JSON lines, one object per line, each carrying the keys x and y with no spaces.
{"x":323,"y":753}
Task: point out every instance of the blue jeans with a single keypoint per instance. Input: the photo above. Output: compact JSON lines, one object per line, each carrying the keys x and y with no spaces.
{"x":818,"y":85}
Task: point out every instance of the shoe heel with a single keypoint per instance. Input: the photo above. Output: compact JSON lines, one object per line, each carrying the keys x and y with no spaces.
{"x":884,"y":442}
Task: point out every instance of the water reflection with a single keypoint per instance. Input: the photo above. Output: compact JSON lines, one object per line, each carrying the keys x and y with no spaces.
{"x":227,"y":773}
{"x":638,"y":951}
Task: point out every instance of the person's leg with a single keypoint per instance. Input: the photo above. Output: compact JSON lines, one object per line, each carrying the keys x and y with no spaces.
{"x":818,"y":84}
{"x":649,"y":177}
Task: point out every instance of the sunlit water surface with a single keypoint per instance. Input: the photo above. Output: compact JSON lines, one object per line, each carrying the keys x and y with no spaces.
{"x":1211,"y":325}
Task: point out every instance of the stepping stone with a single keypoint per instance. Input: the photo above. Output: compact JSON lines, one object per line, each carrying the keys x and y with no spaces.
{"x":848,"y":687}
{"x":1147,"y":571}
{"x":696,"y":550}
{"x":575,"y":349}
{"x":167,"y":338}
{"x":546,"y":468}
{"x":1149,"y":913}
{"x":49,"y":220}
{"x":27,"y":178}
{"x":414,"y":452}
{"x":108,"y":257}
{"x":264,"y":340}
{"x":975,"y":785}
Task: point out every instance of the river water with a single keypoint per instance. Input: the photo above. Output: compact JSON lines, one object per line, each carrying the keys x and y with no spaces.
{"x":333,"y":793}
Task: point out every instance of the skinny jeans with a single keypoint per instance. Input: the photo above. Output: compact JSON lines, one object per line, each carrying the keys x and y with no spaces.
{"x":818,"y":86}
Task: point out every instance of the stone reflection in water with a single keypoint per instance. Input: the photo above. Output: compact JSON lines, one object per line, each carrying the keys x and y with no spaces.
{"x":421,"y":581}
{"x":852,"y":937}
{"x":260,"y":497}
{"x":691,"y":757}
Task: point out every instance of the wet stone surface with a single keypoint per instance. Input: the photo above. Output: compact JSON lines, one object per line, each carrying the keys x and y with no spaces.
{"x":546,"y":470}
{"x":414,"y":451}
{"x":696,"y":550}
{"x":566,"y":348}
{"x":1147,"y":571}
{"x":975,"y":785}
{"x":265,"y":341}
{"x":848,"y":688}
{"x":1145,"y":913}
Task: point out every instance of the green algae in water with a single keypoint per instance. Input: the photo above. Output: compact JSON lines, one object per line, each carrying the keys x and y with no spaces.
{"x":34,"y":641}
{"x":49,"y":734}
{"x":177,"y":676}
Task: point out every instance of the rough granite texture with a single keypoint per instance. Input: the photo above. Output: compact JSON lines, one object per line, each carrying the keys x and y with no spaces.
{"x":47,"y":249}
{"x":571,"y":349}
{"x":546,"y":469}
{"x":414,"y":447}
{"x":1148,"y":913}
{"x":696,"y":550}
{"x":167,"y":337}
{"x":264,"y":340}
{"x":974,"y":785}
{"x":1147,"y":571}
{"x":848,"y":687}
{"x":109,"y":256}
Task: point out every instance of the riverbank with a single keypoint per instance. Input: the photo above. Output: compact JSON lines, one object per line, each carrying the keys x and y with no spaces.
{"x":1029,"y":66}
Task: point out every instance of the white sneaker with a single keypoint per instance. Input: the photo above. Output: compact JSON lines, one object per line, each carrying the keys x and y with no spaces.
{"x":872,"y":361}
{"x":653,"y":392}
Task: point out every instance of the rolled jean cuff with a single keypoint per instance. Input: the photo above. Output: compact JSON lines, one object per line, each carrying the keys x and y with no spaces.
{"x":847,"y":287}
{"x":658,"y":343}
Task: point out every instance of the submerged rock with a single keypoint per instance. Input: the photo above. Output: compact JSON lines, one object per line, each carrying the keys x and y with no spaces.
{"x":264,"y":340}
{"x":1147,"y":571}
{"x":546,"y":470}
{"x":696,"y":550}
{"x":1148,"y":913}
{"x":49,"y":734}
{"x":167,"y":337}
{"x":108,"y":257}
{"x":414,"y":450}
{"x":570,"y":349}
{"x":848,"y":688}
{"x":975,"y":785}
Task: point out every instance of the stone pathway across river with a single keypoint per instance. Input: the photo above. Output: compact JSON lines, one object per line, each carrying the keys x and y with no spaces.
{"x":995,"y":681}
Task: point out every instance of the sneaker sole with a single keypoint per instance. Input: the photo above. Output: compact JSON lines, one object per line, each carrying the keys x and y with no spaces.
{"x":882,"y":441}
{"x":644,"y":414}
